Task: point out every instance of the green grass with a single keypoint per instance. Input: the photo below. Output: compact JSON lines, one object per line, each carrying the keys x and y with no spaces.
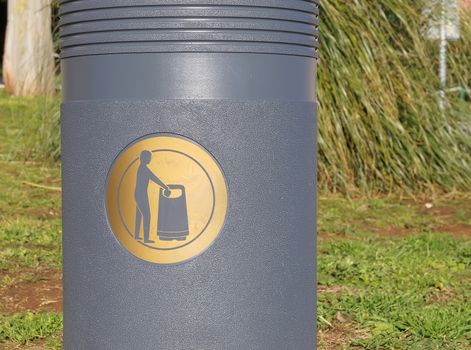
{"x":351,"y":218}
{"x":30,"y":225}
{"x":388,"y":292}
{"x":390,"y":275}
{"x":29,"y":128}
{"x":24,"y":327}
{"x":404,"y":293}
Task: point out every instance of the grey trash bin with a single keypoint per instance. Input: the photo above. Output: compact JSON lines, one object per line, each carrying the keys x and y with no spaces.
{"x":173,"y":214}
{"x":189,"y":174}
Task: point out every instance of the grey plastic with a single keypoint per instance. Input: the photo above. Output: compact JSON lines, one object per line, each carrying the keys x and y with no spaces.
{"x":251,"y":103}
{"x":96,"y":27}
{"x":173,"y":215}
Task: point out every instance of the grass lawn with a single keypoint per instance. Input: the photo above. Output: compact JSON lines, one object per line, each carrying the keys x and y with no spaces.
{"x":393,"y":273}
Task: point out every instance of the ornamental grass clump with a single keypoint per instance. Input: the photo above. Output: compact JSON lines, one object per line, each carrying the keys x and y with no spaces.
{"x":380,"y":127}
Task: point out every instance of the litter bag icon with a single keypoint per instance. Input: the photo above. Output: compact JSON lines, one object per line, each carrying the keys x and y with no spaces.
{"x":172,"y":224}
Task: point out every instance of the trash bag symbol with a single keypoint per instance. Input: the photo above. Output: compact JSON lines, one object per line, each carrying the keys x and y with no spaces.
{"x":172,"y":222}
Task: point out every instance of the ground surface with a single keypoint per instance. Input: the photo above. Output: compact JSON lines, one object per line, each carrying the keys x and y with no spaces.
{"x":393,"y":273}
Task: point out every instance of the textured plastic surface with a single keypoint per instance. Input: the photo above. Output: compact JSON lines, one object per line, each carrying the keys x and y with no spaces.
{"x":254,"y":288}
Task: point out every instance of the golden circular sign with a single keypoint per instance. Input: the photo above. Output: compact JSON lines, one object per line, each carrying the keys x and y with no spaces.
{"x":166,"y":199}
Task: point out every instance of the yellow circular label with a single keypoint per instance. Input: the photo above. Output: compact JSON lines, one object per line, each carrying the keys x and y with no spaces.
{"x":166,"y":199}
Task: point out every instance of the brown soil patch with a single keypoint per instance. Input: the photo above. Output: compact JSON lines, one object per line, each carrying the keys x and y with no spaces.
{"x":440,"y":211}
{"x":43,"y":213}
{"x":459,"y":230}
{"x":339,"y":335}
{"x":42,"y":294}
{"x":456,"y":230}
{"x":446,"y":215}
{"x":335,"y":289}
{"x":441,"y":297}
{"x":330,"y":289}
{"x":36,"y":345}
{"x":13,"y":346}
{"x":7,"y":168}
{"x":325,"y":236}
{"x":394,"y":231}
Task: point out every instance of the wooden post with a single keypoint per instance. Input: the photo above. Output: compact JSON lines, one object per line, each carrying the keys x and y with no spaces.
{"x":28,"y":63}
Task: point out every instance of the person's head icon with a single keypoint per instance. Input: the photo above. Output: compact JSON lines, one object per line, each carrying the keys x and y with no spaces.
{"x":145,"y":157}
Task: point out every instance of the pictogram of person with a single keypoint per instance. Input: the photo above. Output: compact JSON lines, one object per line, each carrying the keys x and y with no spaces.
{"x":144,"y":176}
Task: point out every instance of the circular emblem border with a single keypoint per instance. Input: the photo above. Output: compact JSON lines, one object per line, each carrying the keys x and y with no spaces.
{"x":198,"y":154}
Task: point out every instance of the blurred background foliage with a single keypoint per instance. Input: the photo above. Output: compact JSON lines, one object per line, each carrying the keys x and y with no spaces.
{"x":380,"y":127}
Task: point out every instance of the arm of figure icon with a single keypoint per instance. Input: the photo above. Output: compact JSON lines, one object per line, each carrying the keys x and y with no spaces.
{"x":157,"y":180}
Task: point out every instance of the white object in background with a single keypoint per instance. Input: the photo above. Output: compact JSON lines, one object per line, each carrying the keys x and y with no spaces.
{"x":434,"y":13}
{"x":444,"y":25}
{"x":443,"y":48}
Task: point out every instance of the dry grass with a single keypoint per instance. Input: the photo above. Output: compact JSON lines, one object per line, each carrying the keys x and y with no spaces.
{"x":380,"y":127}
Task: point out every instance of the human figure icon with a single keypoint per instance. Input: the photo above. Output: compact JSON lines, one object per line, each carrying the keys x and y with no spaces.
{"x":144,"y":177}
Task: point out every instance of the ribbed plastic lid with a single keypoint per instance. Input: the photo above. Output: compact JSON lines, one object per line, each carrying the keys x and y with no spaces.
{"x":97,"y":27}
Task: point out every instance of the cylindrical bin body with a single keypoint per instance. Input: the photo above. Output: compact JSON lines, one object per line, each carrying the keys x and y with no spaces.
{"x":189,"y":174}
